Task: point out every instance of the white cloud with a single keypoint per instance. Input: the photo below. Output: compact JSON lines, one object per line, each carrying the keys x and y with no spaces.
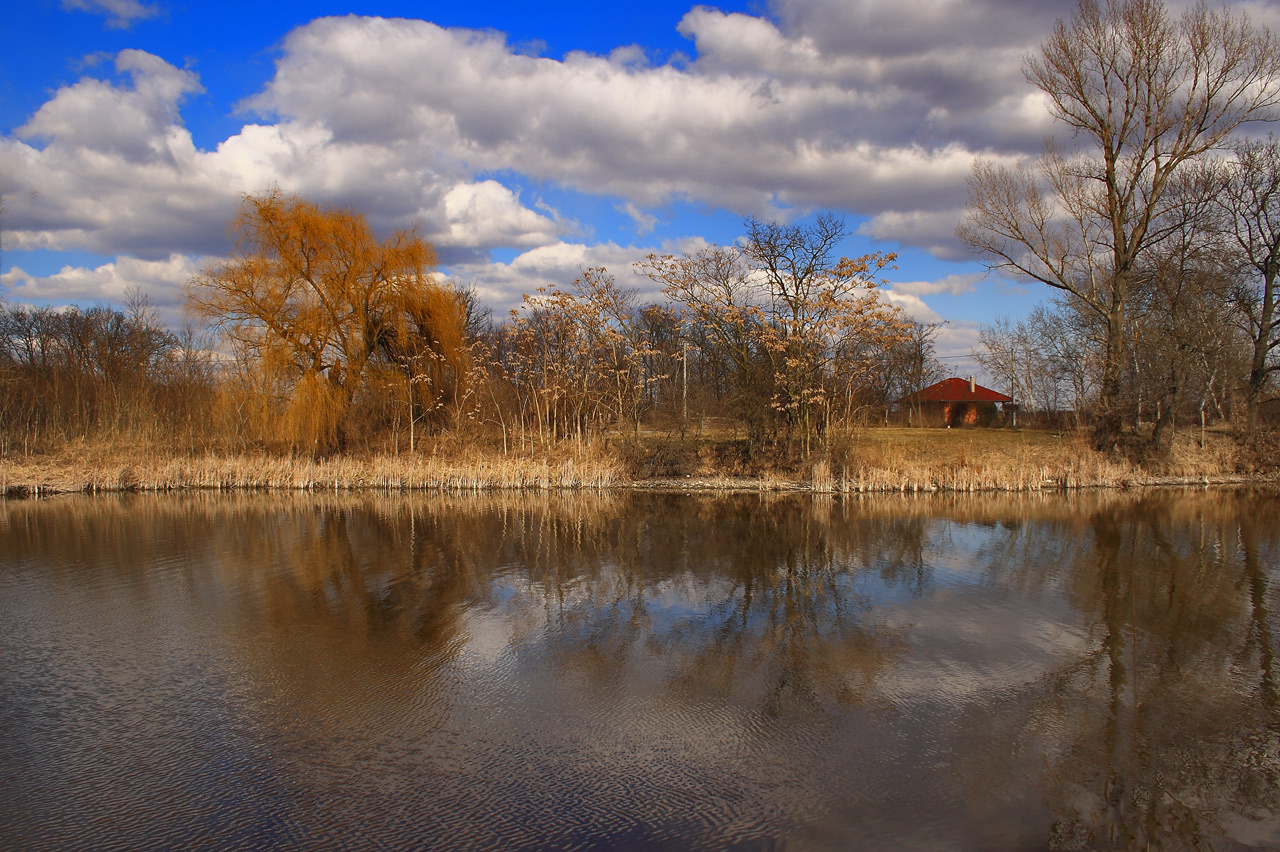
{"x":501,"y":285}
{"x":131,"y":122}
{"x":913,"y":306}
{"x":874,"y":108}
{"x":932,"y":230}
{"x":161,"y":281}
{"x":108,"y":167}
{"x":645,"y":222}
{"x":956,"y":339}
{"x":122,"y":12}
{"x":744,"y":131}
{"x":403,"y":118}
{"x":488,"y":214}
{"x":952,"y":285}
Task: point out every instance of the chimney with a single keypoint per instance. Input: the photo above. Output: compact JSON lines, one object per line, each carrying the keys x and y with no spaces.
{"x":972,"y":385}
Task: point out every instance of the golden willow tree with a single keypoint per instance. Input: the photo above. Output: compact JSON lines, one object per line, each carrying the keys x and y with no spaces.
{"x":332,"y":330}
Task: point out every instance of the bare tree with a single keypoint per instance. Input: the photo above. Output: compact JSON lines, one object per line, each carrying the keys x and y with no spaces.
{"x":1072,"y":339}
{"x":723,"y":318}
{"x":1144,"y":95}
{"x":1048,"y":362}
{"x":1012,"y":356}
{"x":798,"y":328}
{"x":1246,"y":194}
{"x":909,"y":365}
{"x":1180,"y":318}
{"x":826,"y":319}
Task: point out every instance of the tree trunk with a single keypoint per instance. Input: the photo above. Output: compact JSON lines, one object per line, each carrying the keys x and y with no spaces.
{"x":1107,"y":429}
{"x":1162,"y":434}
{"x":1261,"y":348}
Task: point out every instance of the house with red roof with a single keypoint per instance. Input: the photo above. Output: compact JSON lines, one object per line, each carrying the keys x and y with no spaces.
{"x":954,"y":402}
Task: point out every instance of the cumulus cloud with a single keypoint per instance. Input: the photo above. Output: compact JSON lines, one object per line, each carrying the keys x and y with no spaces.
{"x":932,"y":230}
{"x":874,"y":108}
{"x":161,"y":281}
{"x":130,"y":121}
{"x":934,"y":73}
{"x":502,"y":285}
{"x":121,"y":13}
{"x":951,"y":285}
{"x":913,"y":306}
{"x":107,"y":166}
{"x":744,"y":132}
{"x":486,"y":214}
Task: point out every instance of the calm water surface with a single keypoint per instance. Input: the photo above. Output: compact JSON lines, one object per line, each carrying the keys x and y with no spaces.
{"x":640,"y":671}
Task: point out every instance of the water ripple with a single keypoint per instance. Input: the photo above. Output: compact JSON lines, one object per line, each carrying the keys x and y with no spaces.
{"x":633,"y":673}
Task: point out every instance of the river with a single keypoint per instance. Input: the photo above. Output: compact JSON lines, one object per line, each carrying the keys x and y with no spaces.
{"x":640,"y":671}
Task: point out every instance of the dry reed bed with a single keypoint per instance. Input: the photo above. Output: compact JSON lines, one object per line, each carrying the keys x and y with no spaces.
{"x":1046,"y":466}
{"x":884,"y":463}
{"x":266,"y":472}
{"x":969,"y":461}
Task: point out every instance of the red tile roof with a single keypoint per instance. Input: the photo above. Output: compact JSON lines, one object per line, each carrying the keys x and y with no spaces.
{"x":956,"y":390}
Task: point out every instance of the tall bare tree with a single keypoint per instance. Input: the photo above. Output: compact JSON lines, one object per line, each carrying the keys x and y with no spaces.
{"x":1246,"y":193}
{"x":1143,"y":94}
{"x":1182,"y":336}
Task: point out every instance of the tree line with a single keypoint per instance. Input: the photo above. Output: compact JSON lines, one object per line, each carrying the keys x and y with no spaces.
{"x":326,"y":338}
{"x":1157,"y":223}
{"x":69,"y":374}
{"x":1200,"y":335}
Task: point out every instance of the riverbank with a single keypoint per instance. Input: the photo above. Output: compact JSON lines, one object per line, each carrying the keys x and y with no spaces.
{"x":94,"y":469}
{"x":869,"y":461}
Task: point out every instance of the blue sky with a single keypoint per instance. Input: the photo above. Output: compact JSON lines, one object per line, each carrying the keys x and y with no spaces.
{"x":524,"y":140}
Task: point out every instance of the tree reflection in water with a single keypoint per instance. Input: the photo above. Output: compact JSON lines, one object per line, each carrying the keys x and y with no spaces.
{"x":1086,"y":672}
{"x":1175,"y":739}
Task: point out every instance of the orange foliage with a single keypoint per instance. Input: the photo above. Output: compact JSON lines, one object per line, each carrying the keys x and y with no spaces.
{"x":322,"y":315}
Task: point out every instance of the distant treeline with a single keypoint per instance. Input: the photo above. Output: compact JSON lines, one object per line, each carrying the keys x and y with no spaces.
{"x":101,"y":372}
{"x":1157,"y":226}
{"x":323,"y":339}
{"x":326,"y":339}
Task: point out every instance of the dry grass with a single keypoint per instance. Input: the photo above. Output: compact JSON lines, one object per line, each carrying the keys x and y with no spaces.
{"x":864,"y":461}
{"x":967,"y":460}
{"x":92,"y":468}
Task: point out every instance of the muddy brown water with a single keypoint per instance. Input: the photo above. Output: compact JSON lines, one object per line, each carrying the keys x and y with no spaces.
{"x":640,"y":671}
